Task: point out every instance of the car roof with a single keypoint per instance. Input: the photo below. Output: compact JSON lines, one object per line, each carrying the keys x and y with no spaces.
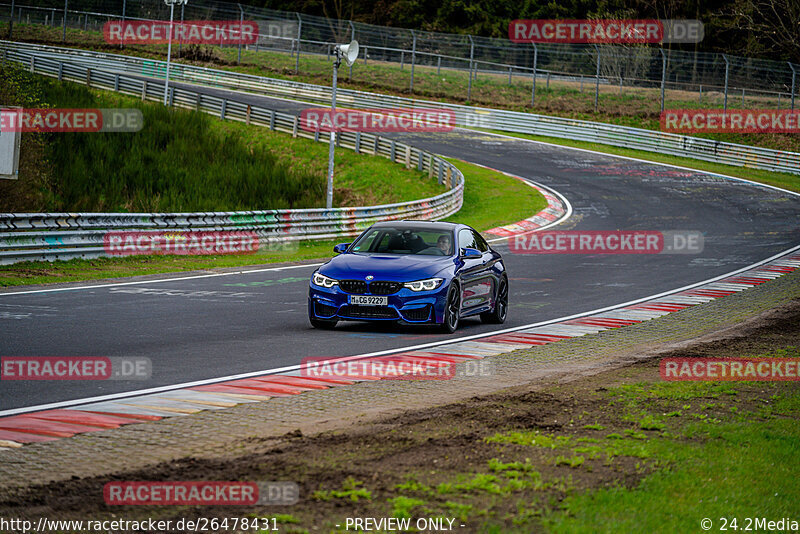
{"x":433,"y":225}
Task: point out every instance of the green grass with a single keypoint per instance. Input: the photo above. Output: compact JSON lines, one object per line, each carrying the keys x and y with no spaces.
{"x":189,"y":161}
{"x":350,"y":491}
{"x":741,"y":469}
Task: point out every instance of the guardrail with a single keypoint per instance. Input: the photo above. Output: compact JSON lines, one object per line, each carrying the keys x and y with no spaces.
{"x":466,"y":116}
{"x":51,"y":236}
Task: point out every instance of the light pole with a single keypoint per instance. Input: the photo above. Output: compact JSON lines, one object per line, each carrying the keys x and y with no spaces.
{"x":171,"y":4}
{"x":349,"y":53}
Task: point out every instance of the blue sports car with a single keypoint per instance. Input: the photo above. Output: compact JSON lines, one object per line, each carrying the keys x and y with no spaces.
{"x":412,"y":272}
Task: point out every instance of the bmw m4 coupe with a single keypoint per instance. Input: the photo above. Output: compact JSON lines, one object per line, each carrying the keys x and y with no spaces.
{"x":411,"y":272}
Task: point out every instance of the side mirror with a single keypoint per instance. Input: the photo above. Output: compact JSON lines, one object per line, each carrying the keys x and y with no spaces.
{"x":470,"y":253}
{"x":341,"y":248}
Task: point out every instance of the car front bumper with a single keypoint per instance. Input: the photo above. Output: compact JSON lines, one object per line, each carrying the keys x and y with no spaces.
{"x":418,"y":307}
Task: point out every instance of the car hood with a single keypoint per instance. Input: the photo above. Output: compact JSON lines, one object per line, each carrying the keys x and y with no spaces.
{"x":393,"y":267}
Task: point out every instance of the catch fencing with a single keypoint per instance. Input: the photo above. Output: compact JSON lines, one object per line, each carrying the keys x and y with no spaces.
{"x":712,"y":79}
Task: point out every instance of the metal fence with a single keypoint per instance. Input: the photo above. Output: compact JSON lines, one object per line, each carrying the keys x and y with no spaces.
{"x":712,"y":80}
{"x":50,"y":236}
{"x":467,"y":116}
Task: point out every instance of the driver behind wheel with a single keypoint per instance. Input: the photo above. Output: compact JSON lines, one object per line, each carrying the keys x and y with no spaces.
{"x":444,"y":244}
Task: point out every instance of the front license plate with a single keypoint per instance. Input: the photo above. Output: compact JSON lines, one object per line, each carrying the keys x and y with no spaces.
{"x":366,"y":300}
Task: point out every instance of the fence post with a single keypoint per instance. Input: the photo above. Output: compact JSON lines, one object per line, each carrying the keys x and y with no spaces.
{"x":11,"y":20}
{"x":509,"y":76}
{"x":727,"y":65}
{"x":124,"y":8}
{"x":180,"y":43}
{"x":663,"y":77}
{"x":701,"y":93}
{"x":438,"y":65}
{"x":402,"y":59}
{"x":413,"y":57}
{"x":64,"y":25}
{"x":597,"y":79}
{"x":352,"y":38}
{"x":471,"y":56}
{"x":299,"y":33}
{"x":535,"y":61}
{"x":794,"y":78}
{"x":742,"y":97}
{"x":365,"y":55}
{"x":241,"y":23}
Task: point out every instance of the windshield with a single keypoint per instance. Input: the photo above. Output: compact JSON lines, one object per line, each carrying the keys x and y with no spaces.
{"x":405,"y":240}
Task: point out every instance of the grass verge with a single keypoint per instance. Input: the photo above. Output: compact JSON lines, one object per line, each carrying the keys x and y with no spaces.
{"x":184,"y":161}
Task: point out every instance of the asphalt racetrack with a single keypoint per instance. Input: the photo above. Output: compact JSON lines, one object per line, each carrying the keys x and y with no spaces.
{"x":195,"y":328}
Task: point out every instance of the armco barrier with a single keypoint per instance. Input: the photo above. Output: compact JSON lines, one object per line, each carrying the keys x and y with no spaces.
{"x":509,"y":121}
{"x":51,"y":236}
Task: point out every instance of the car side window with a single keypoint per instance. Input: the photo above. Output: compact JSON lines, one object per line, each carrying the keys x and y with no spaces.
{"x":466,"y":239}
{"x":481,"y":243}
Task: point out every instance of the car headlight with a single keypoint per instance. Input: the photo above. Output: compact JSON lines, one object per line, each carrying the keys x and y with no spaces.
{"x":324,"y":281}
{"x":424,"y":285}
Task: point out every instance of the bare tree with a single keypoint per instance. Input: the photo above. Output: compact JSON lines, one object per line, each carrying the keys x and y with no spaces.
{"x":773,"y":24}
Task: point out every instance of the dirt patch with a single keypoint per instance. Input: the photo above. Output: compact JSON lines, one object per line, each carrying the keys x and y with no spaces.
{"x":471,"y":461}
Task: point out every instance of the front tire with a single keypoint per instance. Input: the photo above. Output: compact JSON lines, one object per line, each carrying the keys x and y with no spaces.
{"x":323,"y":324}
{"x":452,"y":309}
{"x":498,"y":314}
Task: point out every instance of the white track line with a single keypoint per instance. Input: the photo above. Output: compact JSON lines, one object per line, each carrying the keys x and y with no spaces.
{"x":115,"y":284}
{"x":77,"y":402}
